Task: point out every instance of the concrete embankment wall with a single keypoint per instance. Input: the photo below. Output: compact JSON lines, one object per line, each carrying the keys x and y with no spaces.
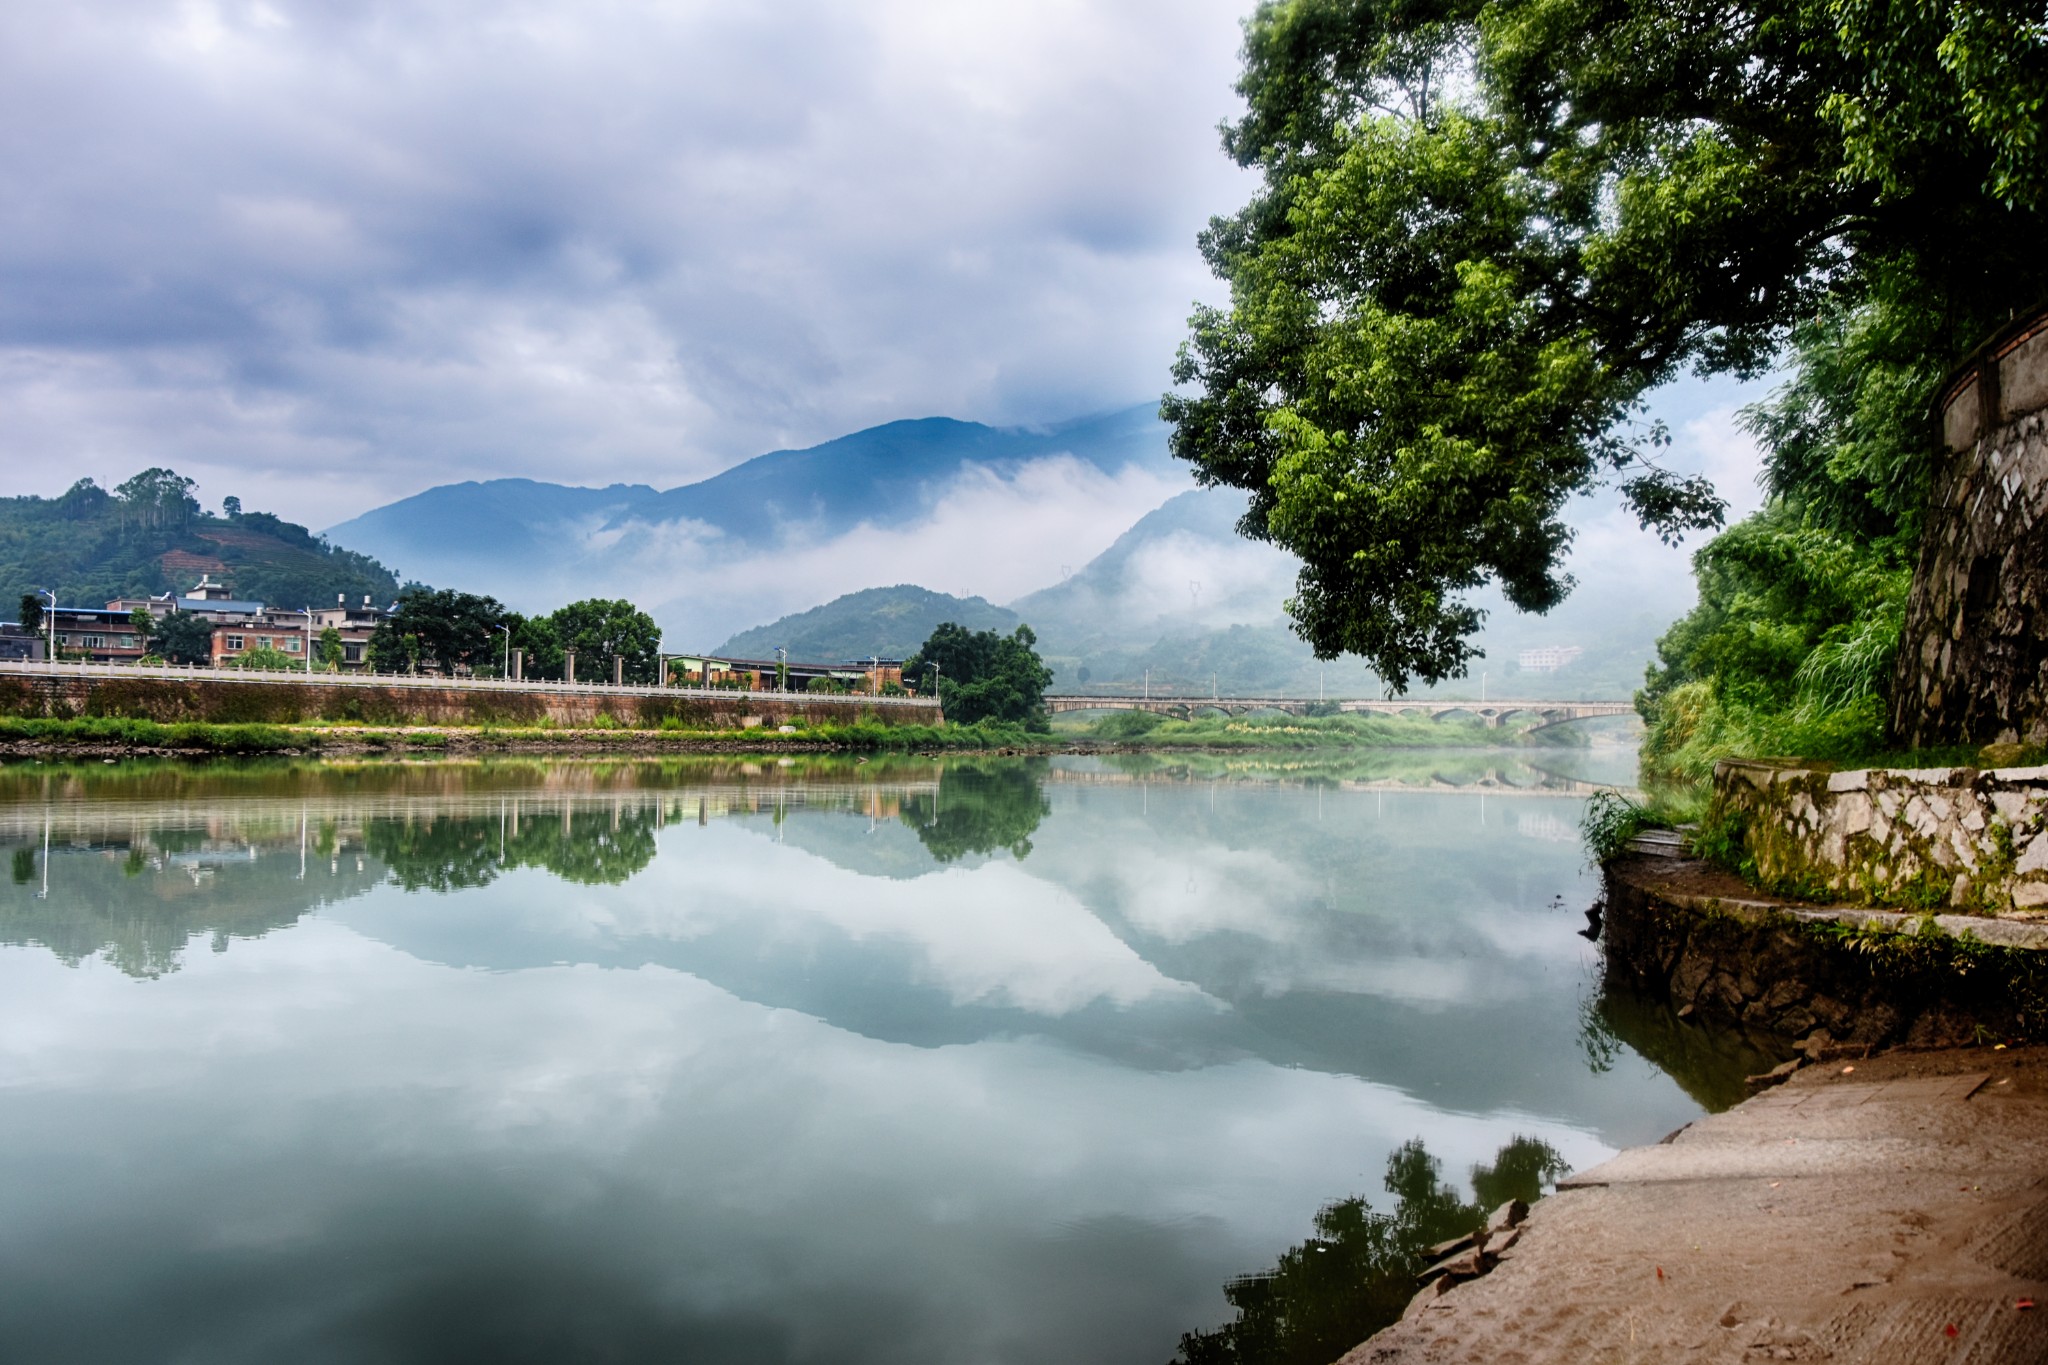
{"x":1920,"y":838}
{"x":282,"y":701}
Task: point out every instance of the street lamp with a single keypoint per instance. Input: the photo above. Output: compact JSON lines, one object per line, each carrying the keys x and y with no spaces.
{"x":309,"y":638}
{"x":505,"y":668}
{"x":50,"y":626}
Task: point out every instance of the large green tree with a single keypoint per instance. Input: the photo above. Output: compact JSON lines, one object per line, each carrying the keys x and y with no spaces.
{"x":182,"y":637}
{"x":1485,"y":231}
{"x":982,"y":674}
{"x":603,"y":629}
{"x":437,"y":628}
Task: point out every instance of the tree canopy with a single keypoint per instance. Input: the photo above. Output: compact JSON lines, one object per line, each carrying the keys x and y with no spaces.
{"x":1487,"y":230}
{"x":983,"y":675}
{"x":602,"y":629}
{"x":437,"y":628}
{"x":182,"y":637}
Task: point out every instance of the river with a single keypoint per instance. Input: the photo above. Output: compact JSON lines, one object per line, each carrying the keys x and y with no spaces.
{"x":817,"y":1059}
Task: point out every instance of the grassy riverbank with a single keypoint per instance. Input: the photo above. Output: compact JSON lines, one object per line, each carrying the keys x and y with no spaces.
{"x":113,"y":734}
{"x":1144,"y":729}
{"x":116,"y":735}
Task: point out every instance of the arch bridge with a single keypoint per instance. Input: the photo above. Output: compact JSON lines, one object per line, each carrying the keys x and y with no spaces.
{"x":1492,"y":714}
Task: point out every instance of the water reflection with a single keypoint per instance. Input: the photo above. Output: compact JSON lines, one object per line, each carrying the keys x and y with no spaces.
{"x":1357,"y":1273}
{"x":743,"y":1059}
{"x":979,"y":808}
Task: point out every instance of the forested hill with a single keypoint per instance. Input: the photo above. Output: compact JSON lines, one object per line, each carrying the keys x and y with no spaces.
{"x":891,"y":622}
{"x":151,"y":536}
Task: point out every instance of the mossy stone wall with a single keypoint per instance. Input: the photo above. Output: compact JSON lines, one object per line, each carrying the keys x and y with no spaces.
{"x":1972,"y":665}
{"x":1968,"y":838}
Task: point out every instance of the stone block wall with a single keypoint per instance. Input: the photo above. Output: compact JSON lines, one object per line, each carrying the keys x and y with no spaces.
{"x":1973,"y":661}
{"x":1919,"y":838}
{"x":1769,"y":973}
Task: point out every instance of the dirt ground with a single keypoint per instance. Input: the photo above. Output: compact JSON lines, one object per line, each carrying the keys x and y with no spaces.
{"x":1891,"y":1210}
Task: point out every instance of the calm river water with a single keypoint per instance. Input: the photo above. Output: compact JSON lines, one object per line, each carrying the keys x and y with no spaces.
{"x":1001,"y":1060}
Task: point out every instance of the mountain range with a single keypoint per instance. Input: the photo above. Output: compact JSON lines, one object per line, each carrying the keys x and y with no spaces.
{"x":1088,"y":531}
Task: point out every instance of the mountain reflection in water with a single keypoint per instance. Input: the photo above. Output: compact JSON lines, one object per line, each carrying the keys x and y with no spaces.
{"x":761,"y":1059}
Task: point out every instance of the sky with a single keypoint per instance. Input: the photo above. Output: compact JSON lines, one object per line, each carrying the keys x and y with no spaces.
{"x":321,"y":255}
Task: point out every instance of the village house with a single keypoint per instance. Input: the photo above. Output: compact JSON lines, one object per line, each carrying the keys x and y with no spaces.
{"x":109,"y":634}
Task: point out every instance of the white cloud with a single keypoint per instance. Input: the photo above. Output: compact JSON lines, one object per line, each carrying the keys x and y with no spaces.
{"x":323,"y":257}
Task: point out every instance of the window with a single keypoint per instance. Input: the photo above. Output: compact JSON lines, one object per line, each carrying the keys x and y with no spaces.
{"x":93,"y":641}
{"x":351,"y":654}
{"x":235,"y":643}
{"x":263,"y":642}
{"x":291,"y":644}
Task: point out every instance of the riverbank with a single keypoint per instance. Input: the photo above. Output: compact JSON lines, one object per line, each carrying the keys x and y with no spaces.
{"x":1887,"y":1211}
{"x":1815,"y":975}
{"x":123,"y":736}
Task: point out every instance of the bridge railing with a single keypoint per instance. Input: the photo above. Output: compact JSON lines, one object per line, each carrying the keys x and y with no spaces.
{"x":90,"y":669}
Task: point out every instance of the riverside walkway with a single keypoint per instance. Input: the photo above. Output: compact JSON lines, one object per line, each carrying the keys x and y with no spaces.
{"x":1492,"y":713}
{"x":1890,"y":1211}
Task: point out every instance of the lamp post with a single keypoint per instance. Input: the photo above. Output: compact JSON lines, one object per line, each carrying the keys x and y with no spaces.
{"x":309,"y":638}
{"x":505,"y":668}
{"x":50,"y":626}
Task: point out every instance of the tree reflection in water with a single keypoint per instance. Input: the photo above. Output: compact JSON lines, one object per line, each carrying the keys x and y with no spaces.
{"x":594,"y":845}
{"x":980,"y":808}
{"x":1357,"y":1273}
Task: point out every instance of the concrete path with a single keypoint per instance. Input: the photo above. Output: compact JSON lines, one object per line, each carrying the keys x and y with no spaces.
{"x":1891,"y":1211}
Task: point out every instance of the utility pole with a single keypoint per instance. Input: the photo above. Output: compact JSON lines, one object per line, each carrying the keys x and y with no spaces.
{"x":505,"y":668}
{"x":1148,"y":684}
{"x":50,"y":627}
{"x":309,"y":670}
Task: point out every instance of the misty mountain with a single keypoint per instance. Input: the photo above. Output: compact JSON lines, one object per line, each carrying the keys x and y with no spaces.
{"x":890,"y":622}
{"x":472,"y":535}
{"x":887,"y":475}
{"x":780,"y":531}
{"x":1181,"y":565}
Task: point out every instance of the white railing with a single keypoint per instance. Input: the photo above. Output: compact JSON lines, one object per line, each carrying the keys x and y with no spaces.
{"x":76,"y":668}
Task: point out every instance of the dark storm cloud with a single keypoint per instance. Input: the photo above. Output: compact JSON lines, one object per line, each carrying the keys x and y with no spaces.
{"x":323,"y":254}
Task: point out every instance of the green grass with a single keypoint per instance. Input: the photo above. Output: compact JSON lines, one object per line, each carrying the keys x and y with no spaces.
{"x":149,"y":734}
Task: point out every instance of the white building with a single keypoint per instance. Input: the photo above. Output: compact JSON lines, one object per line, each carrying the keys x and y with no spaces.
{"x":1548,"y":659}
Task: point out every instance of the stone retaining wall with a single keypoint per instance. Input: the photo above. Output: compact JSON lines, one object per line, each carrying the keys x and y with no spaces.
{"x":1818,"y":977}
{"x":1972,"y":665}
{"x":282,"y":702}
{"x":1962,"y":837}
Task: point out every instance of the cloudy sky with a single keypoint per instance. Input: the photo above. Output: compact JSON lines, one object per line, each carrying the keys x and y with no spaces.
{"x":321,"y":255}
